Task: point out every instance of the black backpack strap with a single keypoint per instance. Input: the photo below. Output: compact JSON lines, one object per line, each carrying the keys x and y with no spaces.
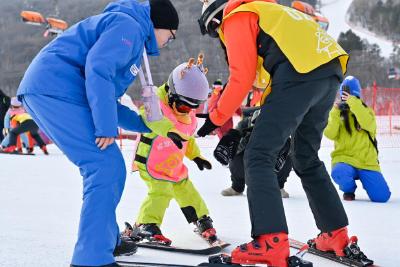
{"x":374,"y":142}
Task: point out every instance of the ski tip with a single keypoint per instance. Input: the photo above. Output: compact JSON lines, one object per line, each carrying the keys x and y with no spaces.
{"x":220,"y":243}
{"x":224,"y":245}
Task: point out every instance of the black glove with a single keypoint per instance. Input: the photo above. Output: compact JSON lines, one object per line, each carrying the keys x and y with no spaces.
{"x":176,"y":139}
{"x":207,"y":127}
{"x":227,"y":146}
{"x":282,"y":156}
{"x":202,"y":163}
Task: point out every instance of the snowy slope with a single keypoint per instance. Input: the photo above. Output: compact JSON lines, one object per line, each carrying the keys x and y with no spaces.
{"x":40,"y":198}
{"x":336,"y":10}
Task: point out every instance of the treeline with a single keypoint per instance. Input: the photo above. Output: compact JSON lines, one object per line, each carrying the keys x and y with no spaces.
{"x":366,"y":61}
{"x":20,"y":42}
{"x":380,"y":17}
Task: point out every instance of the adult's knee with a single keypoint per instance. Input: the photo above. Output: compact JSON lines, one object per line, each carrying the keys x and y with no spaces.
{"x":381,"y":196}
{"x":303,"y":164}
{"x":254,"y":158}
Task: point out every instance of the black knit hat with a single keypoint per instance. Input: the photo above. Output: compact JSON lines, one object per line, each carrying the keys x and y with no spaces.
{"x":163,"y":15}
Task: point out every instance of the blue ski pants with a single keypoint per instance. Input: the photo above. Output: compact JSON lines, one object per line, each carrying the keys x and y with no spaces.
{"x":70,"y":125}
{"x":373,"y":182}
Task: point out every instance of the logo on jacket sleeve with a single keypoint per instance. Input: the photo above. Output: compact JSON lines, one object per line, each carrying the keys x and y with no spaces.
{"x":126,"y":41}
{"x":134,"y":70}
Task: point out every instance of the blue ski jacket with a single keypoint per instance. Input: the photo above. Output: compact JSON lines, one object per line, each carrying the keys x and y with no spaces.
{"x":93,"y":62}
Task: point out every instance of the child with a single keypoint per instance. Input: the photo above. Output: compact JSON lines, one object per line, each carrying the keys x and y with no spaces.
{"x":160,"y":162}
{"x":4,"y":105}
{"x":25,"y":124}
{"x":352,"y":126}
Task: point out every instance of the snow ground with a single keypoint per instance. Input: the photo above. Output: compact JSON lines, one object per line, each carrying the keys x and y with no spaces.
{"x":40,"y":198}
{"x":336,"y":11}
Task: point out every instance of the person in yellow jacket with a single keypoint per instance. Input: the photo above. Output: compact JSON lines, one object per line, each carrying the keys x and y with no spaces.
{"x":24,"y":123}
{"x":160,"y":161}
{"x":352,"y":126}
{"x":301,"y":67}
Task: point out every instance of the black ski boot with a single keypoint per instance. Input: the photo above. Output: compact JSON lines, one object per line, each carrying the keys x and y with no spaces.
{"x":206,"y":229}
{"x":147,"y":231}
{"x":125,"y":248}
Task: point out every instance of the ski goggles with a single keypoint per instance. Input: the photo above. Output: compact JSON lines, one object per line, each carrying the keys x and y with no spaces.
{"x":182,"y":108}
{"x":185,"y":104}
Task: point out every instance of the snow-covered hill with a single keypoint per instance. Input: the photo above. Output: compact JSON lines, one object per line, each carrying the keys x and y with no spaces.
{"x":336,"y":12}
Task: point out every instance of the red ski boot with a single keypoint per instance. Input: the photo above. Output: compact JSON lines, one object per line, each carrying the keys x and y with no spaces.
{"x":44,"y":149}
{"x":10,"y":149}
{"x":270,"y":249}
{"x":206,"y":229}
{"x":335,"y":241}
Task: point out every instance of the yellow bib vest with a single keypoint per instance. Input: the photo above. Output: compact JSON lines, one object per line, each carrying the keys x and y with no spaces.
{"x":305,"y":44}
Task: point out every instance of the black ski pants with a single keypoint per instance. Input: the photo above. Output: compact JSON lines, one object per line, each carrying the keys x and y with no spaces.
{"x":236,"y":167}
{"x":27,"y":126}
{"x":299,"y":109}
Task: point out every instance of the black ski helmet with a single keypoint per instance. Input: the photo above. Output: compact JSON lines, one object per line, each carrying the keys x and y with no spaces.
{"x":211,"y":16}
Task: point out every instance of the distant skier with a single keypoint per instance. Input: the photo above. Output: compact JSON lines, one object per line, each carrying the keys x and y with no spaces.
{"x":71,"y":90}
{"x":352,"y":126}
{"x":24,"y":123}
{"x":4,"y":105}
{"x":160,"y":162}
{"x":237,"y":140}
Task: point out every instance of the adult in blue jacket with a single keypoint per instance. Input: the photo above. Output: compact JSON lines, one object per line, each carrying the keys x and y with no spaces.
{"x":71,"y":90}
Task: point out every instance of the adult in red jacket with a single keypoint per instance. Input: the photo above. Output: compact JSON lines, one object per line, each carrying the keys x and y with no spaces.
{"x":302,"y":67}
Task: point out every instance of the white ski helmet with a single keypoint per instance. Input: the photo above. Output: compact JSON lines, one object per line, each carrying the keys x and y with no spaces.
{"x":211,"y":16}
{"x":188,"y":83}
{"x":15,"y":102}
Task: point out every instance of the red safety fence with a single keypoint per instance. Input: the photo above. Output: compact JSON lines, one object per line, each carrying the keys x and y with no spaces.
{"x":386,"y":104}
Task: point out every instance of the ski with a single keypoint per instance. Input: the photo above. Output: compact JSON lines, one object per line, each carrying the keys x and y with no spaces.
{"x":356,"y":258}
{"x":17,"y":153}
{"x":224,"y":260}
{"x":154,"y":264}
{"x":149,"y":264}
{"x":202,"y":251}
{"x":212,"y":241}
{"x":133,"y":234}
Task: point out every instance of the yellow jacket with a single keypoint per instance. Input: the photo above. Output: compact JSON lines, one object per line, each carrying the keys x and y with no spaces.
{"x":20,"y":118}
{"x":300,"y":39}
{"x":356,"y":149}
